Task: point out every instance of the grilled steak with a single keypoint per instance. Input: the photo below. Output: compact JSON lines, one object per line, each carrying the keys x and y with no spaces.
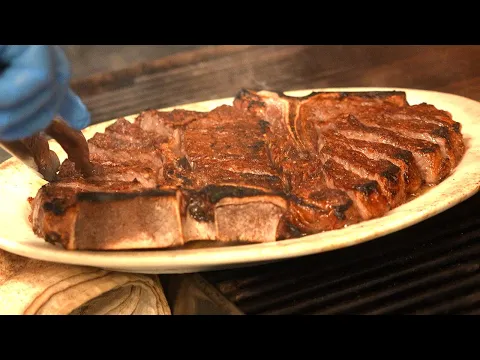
{"x":270,"y":167}
{"x":124,"y":215}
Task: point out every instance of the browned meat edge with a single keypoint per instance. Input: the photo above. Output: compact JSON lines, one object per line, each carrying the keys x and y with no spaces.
{"x":153,"y":218}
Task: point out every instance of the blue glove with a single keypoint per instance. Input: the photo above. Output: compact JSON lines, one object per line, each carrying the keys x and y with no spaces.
{"x":34,"y":88}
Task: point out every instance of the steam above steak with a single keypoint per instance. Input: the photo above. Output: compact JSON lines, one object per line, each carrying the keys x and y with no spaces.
{"x":267,"y":168}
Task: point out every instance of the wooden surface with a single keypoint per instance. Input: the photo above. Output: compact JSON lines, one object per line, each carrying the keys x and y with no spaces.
{"x":211,"y":72}
{"x":91,"y":59}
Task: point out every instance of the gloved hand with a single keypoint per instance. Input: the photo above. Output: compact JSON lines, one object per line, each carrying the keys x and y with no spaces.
{"x":34,"y":88}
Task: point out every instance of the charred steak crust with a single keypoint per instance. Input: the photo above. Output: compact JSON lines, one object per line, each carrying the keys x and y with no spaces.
{"x":269,"y":167}
{"x":155,"y":218}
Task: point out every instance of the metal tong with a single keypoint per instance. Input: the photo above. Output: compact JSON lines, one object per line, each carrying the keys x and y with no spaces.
{"x":35,"y":152}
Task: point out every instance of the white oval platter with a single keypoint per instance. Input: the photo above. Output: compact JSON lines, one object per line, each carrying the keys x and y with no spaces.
{"x":17,"y":183}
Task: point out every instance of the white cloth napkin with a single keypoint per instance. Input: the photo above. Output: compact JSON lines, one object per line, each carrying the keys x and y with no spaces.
{"x":35,"y":287}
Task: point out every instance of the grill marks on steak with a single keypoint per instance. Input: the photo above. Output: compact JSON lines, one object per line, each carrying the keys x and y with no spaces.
{"x":294,"y":156}
{"x":215,"y":184}
{"x":421,"y":130}
{"x":122,"y":153}
{"x":313,"y":206}
{"x":432,"y":165}
{"x":120,"y":215}
{"x":229,"y":147}
{"x":377,"y":137}
{"x":269,"y":167}
{"x":364,"y":193}
{"x":442,"y":127}
{"x":387,"y":175}
{"x":357,"y":117}
{"x":401,"y":158}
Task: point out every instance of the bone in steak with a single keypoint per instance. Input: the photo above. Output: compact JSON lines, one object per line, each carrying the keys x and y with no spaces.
{"x":268,"y":168}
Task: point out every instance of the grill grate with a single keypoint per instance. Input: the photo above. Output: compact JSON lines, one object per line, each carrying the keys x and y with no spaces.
{"x":430,"y":268}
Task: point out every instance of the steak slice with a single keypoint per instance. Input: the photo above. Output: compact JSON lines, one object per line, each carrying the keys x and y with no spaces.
{"x":313,"y":205}
{"x":319,"y":208}
{"x":434,"y":157}
{"x":116,"y":156}
{"x":388,"y":111}
{"x":401,"y":158}
{"x":299,"y":159}
{"x":415,"y":129}
{"x":228,"y":146}
{"x":365,"y":193}
{"x":387,"y":175}
{"x":447,"y":128}
{"x":110,"y":216}
{"x":245,"y":214}
{"x":428,"y":158}
{"x":122,"y":216}
{"x":128,"y":152}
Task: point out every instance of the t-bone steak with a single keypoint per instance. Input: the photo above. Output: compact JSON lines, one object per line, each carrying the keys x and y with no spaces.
{"x":266,"y":168}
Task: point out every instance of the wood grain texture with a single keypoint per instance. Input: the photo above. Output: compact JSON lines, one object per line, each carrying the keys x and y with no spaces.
{"x":214,"y":72}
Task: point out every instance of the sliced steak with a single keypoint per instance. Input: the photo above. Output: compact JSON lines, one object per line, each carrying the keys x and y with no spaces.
{"x":169,"y":128}
{"x":222,"y":152}
{"x":314,"y":206}
{"x":253,"y":217}
{"x":428,"y":157}
{"x":327,"y":106}
{"x":430,"y":114}
{"x":386,"y":174}
{"x":284,"y":114}
{"x":403,"y":119}
{"x":401,"y":158}
{"x":432,"y":137}
{"x":412,"y":128}
{"x":122,"y":216}
{"x":390,"y":111}
{"x":365,"y":193}
{"x":228,"y":146}
{"x":320,"y":210}
{"x":106,"y":220}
